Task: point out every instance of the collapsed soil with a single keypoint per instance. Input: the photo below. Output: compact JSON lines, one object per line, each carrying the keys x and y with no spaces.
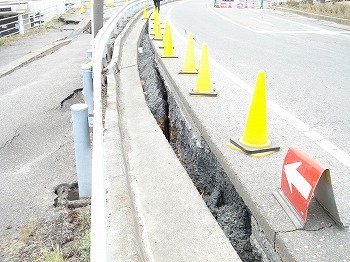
{"x":66,"y":231}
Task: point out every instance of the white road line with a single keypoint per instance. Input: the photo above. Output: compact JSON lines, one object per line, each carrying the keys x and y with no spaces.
{"x":250,"y":28}
{"x":262,"y":22}
{"x":292,"y":22}
{"x":323,"y":143}
{"x":314,"y":28}
{"x":300,"y":32}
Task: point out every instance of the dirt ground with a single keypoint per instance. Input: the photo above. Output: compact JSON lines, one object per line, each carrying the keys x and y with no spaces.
{"x":65,"y":235}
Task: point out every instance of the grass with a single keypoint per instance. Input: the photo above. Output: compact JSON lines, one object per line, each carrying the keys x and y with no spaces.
{"x":33,"y":31}
{"x":27,"y":230}
{"x":333,"y":9}
{"x":85,"y":246}
{"x":53,"y":256}
{"x":84,"y":221}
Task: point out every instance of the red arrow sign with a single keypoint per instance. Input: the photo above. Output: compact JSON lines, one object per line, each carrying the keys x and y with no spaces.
{"x":300,"y":175}
{"x":301,"y":178}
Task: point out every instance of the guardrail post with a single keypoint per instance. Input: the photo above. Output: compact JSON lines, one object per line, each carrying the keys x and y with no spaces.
{"x":83,"y":156}
{"x":86,"y":70}
{"x":89,"y":55}
{"x":115,"y":30}
{"x":109,"y":51}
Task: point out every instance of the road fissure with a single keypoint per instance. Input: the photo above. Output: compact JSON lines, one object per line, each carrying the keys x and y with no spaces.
{"x":201,"y":164}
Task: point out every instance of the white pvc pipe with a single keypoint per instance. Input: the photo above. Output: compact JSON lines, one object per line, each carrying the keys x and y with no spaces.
{"x":82,"y":148}
{"x":86,"y":70}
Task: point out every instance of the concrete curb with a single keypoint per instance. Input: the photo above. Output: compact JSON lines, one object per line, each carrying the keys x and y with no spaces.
{"x":45,"y":50}
{"x":123,"y":237}
{"x":163,"y":195}
{"x":341,"y":21}
{"x":83,"y":26}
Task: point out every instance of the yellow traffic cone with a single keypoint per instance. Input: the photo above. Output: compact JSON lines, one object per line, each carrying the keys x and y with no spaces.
{"x":155,"y":13}
{"x":89,"y":4}
{"x":168,"y":51}
{"x":203,"y":85}
{"x":145,"y":15}
{"x":255,"y":136}
{"x":189,"y":67}
{"x":158,"y":32}
{"x":82,"y":9}
{"x":165,"y":35}
{"x":155,"y":27}
{"x":112,"y":3}
{"x":107,"y":3}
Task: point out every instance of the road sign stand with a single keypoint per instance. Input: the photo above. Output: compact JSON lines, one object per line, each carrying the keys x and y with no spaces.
{"x":289,"y":209}
{"x":325,"y":196}
{"x":303,"y":177}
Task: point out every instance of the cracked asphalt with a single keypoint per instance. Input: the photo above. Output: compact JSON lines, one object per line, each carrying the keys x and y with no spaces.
{"x":36,"y":143}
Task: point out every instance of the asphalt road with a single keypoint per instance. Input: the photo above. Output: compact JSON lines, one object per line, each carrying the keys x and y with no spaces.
{"x":36,"y":143}
{"x":306,"y":61}
{"x":306,"y":64}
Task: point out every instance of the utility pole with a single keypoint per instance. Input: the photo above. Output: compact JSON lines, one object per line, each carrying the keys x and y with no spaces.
{"x":96,"y":16}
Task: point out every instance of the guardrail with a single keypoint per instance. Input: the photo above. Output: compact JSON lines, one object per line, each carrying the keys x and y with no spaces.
{"x":18,"y":24}
{"x":98,"y":250}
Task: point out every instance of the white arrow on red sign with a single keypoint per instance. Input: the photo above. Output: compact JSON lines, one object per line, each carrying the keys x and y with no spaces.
{"x":308,"y":177}
{"x":295,"y":178}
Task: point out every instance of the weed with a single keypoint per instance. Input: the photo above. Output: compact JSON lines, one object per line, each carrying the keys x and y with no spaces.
{"x":84,"y":220}
{"x":27,"y":230}
{"x":85,"y":246}
{"x":55,"y":255}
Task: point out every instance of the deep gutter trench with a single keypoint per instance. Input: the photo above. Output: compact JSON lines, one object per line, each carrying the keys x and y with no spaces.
{"x":195,"y":155}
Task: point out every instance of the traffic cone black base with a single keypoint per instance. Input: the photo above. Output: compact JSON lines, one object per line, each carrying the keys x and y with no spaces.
{"x":188,"y":73}
{"x":156,"y":39}
{"x":252,"y":150}
{"x":194,"y":93}
{"x":170,"y":57}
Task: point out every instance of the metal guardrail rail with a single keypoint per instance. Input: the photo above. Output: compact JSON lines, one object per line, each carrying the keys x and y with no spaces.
{"x":98,"y":249}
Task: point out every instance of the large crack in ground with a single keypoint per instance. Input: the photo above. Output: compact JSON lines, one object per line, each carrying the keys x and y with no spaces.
{"x":195,"y":155}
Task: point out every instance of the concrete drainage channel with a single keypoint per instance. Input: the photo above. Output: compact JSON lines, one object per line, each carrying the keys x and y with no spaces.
{"x":195,"y":155}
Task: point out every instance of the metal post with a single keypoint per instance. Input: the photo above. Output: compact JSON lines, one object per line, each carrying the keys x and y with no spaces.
{"x":116,"y":31}
{"x":89,"y":55}
{"x":83,"y":157}
{"x":86,"y":70}
{"x":109,"y":51}
{"x":96,"y":16}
